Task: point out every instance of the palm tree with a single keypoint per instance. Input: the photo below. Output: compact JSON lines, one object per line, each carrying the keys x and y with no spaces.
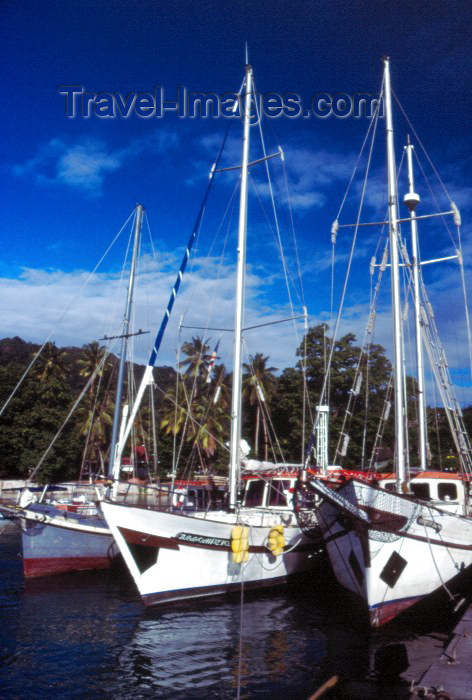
{"x":95,"y":415}
{"x":174,"y":410}
{"x":259,"y":384}
{"x":50,"y":364}
{"x":197,"y":352}
{"x":92,"y":362}
{"x":95,"y":420}
{"x":211,"y":427}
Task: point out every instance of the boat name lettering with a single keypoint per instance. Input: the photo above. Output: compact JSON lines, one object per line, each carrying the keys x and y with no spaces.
{"x":201,"y":539}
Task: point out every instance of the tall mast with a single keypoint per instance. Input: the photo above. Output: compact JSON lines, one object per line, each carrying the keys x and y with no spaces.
{"x":238,"y":323}
{"x":396,"y":311}
{"x":124,"y":339}
{"x":411,"y":200}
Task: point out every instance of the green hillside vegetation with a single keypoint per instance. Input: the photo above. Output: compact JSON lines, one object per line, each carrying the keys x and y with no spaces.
{"x":197,"y":424}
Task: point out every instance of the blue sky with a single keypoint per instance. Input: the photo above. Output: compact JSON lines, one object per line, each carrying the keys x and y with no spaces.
{"x":69,"y":184}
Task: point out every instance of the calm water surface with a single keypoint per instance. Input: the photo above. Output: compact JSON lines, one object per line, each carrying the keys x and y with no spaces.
{"x":88,"y":636}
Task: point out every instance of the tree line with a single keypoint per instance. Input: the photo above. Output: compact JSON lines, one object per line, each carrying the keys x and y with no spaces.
{"x":191,"y":408}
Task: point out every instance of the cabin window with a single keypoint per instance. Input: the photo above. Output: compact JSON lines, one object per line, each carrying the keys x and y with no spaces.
{"x":447,"y":492}
{"x":254,"y":493}
{"x":420,"y":491}
{"x":277,"y":496}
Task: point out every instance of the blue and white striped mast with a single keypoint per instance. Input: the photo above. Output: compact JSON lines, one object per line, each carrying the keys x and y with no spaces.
{"x":148,"y":372}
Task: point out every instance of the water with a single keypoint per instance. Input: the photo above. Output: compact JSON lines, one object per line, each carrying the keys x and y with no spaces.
{"x":87,"y":635}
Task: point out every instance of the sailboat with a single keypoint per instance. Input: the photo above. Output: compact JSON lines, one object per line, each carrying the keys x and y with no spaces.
{"x":174,"y":556}
{"x":388,"y":548}
{"x":62,"y":528}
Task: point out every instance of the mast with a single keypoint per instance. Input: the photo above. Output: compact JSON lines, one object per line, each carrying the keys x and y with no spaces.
{"x":411,"y":200}
{"x":396,"y":311}
{"x":238,"y":323}
{"x":322,"y":438}
{"x":124,"y":340}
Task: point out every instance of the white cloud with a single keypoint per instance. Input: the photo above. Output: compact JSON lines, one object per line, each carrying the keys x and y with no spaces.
{"x":35,"y":303}
{"x":84,"y":165}
{"x":310,"y":173}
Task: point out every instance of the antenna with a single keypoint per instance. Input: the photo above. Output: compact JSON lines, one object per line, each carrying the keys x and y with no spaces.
{"x":247,"y":55}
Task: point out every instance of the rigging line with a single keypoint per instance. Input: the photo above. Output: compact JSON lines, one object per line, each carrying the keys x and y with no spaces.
{"x":276,"y":218}
{"x":460,"y":256}
{"x":193,"y":236}
{"x":305,"y":397}
{"x":61,"y":318}
{"x":373,"y":462}
{"x":433,"y":195}
{"x":241,"y":636}
{"x":370,"y":330}
{"x":436,"y":425}
{"x":331,"y":312}
{"x":64,"y":423}
{"x":288,"y":273}
{"x":422,"y":147}
{"x":290,"y":208}
{"x":215,"y":165}
{"x":414,"y":384}
{"x":174,"y":440}
{"x":188,"y":413}
{"x":265,"y":410}
{"x":193,"y":390}
{"x":276,"y":439}
{"x":443,"y":584}
{"x":371,"y":123}
{"x":408,"y":293}
{"x":229,"y":210}
{"x":292,"y":230}
{"x":466,"y":304}
{"x":158,"y":272}
{"x":212,"y":173}
{"x":273,"y":323}
{"x":98,"y":372}
{"x":366,"y":403}
{"x":348,"y":269}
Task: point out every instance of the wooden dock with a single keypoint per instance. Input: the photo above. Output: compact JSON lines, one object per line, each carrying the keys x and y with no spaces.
{"x":452,"y":672}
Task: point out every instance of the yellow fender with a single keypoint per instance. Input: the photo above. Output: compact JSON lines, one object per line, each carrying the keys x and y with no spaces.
{"x":276,"y":540}
{"x":240,"y":544}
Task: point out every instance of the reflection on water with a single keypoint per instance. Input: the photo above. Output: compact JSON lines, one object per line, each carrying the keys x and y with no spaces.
{"x":193,"y":650}
{"x":87,"y":635}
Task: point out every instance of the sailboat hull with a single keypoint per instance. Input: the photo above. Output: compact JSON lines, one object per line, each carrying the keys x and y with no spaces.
{"x":407,"y":552}
{"x":173,"y":556}
{"x":58,"y":542}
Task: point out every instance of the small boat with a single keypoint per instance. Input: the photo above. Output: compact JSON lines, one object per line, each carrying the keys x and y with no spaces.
{"x":393,"y":547}
{"x":62,"y":528}
{"x":59,"y":538}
